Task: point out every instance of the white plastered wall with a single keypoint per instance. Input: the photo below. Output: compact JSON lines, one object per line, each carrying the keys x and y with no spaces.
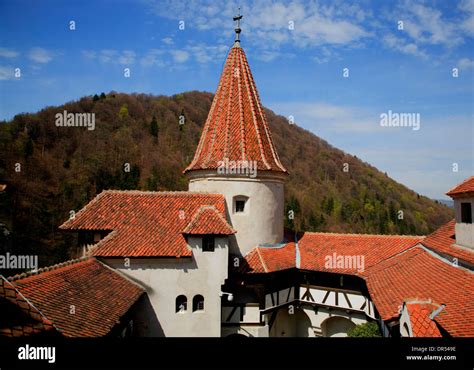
{"x":166,"y":278}
{"x":262,"y":221}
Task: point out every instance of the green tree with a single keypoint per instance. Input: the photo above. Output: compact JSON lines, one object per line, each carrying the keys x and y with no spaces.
{"x":366,"y":330}
{"x":95,"y":97}
{"x":123,"y":113}
{"x":28,"y":148}
{"x":154,"y":127}
{"x":328,"y":205}
{"x":102,"y":96}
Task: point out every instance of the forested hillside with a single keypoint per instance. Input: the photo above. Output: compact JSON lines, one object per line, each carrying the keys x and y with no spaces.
{"x":138,"y":143}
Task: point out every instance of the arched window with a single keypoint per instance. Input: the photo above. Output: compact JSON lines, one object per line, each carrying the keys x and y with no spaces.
{"x":198,"y":303}
{"x":181,"y":304}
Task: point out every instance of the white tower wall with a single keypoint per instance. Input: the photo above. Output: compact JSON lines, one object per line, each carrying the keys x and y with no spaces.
{"x":262,"y":219}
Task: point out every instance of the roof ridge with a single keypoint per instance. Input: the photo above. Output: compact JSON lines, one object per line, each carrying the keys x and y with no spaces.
{"x":26,"y":274}
{"x":361,"y":234}
{"x":147,"y":192}
{"x":459,"y":185}
{"x":200,"y":211}
{"x":261,"y":259}
{"x":226,"y":133}
{"x":31,"y":304}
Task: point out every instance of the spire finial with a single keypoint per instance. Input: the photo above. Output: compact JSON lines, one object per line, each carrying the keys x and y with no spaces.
{"x":237,"y":19}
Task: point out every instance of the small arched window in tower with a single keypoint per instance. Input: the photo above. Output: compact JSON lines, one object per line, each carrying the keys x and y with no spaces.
{"x":181,"y":304}
{"x":198,"y":303}
{"x":240,"y":204}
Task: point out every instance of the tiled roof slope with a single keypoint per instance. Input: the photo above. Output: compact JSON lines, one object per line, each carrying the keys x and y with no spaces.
{"x":417,"y":274}
{"x":421,"y":324}
{"x":467,"y":186}
{"x":208,"y":220}
{"x":18,"y":316}
{"x":144,"y":224}
{"x":396,"y":269}
{"x":315,"y":248}
{"x":236,"y":127}
{"x":443,"y":241}
{"x":98,"y":296}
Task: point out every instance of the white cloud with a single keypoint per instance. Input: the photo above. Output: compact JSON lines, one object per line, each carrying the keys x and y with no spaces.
{"x":89,"y":54}
{"x":314,"y":24}
{"x":330,"y":117}
{"x":467,"y":25}
{"x":107,"y":55}
{"x":179,"y":56}
{"x":168,"y":41}
{"x":402,"y":46}
{"x":203,"y":53}
{"x":124,"y":57}
{"x":7,"y":73}
{"x":426,"y":25}
{"x":8,"y":53}
{"x":153,"y":57}
{"x":466,"y":63}
{"x":40,"y":55}
{"x":127,"y":57}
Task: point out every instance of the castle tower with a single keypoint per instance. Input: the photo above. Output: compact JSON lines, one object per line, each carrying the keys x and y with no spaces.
{"x":237,"y":158}
{"x":463,"y":197}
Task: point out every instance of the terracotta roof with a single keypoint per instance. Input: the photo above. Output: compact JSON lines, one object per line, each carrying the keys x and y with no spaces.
{"x":208,"y":220}
{"x":315,"y":249}
{"x":421,"y":324}
{"x":443,"y":241}
{"x":19,"y":317}
{"x":144,"y":224}
{"x":98,"y":295}
{"x":417,"y":274}
{"x":236,"y":127}
{"x":467,"y":186}
{"x":396,"y":269}
{"x":270,"y":259}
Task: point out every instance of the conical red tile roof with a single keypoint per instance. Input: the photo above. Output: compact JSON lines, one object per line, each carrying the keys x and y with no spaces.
{"x":236,"y":128}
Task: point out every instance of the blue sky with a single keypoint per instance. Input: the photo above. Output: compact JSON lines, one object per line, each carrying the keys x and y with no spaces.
{"x":298,"y":71}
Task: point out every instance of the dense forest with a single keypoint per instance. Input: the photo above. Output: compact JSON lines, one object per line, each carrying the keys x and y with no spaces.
{"x":139,"y":142}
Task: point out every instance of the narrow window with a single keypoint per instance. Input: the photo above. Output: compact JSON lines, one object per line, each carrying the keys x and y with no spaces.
{"x":198,"y":303}
{"x":239,"y":206}
{"x":181,"y":304}
{"x":208,"y":243}
{"x":466,"y":213}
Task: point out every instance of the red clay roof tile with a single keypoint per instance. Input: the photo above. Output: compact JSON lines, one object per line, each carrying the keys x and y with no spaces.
{"x":26,"y":319}
{"x":443,"y":241}
{"x":417,"y":274}
{"x":82,"y":298}
{"x":144,"y":224}
{"x":208,"y":220}
{"x":396,"y":269}
{"x":421,"y":324}
{"x":467,"y":186}
{"x":236,"y":127}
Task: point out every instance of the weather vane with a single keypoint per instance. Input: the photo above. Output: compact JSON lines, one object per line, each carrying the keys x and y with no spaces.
{"x":237,"y":19}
